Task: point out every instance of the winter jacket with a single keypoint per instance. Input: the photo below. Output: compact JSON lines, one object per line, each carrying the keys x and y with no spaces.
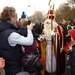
{"x":12,"y":55}
{"x":32,"y":63}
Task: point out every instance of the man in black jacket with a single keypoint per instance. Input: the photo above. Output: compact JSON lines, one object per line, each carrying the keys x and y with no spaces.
{"x":11,"y":41}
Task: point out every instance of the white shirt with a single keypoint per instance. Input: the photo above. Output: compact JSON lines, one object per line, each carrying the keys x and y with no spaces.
{"x":15,"y":38}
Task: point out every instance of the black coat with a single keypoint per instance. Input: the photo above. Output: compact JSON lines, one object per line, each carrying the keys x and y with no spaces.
{"x":12,"y":55}
{"x":32,"y":63}
{"x":72,"y":58}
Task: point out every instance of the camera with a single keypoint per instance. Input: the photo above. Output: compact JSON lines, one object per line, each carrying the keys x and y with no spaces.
{"x":29,"y":22}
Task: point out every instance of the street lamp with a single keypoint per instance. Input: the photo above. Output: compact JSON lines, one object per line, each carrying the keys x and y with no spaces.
{"x":34,"y":10}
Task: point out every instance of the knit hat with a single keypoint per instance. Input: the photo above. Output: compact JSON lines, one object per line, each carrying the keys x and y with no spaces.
{"x":72,"y":33}
{"x":23,"y":15}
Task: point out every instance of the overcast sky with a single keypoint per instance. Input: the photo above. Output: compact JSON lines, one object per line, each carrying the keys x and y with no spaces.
{"x":22,"y":5}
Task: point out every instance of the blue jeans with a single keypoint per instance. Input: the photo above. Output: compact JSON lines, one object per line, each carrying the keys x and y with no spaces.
{"x":12,"y":72}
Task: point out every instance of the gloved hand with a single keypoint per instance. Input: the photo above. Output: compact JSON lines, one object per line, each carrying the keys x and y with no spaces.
{"x":52,"y":33}
{"x":41,"y":37}
{"x":42,"y":59}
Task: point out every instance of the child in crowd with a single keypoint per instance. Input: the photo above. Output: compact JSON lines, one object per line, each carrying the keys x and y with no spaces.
{"x":72,"y":53}
{"x":31,"y":59}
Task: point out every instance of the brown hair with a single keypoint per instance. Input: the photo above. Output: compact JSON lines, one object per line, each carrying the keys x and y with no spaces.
{"x":24,"y":22}
{"x":7,"y":13}
{"x":18,"y":24}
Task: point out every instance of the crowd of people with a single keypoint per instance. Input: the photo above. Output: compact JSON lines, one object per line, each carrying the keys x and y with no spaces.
{"x":35,"y":49}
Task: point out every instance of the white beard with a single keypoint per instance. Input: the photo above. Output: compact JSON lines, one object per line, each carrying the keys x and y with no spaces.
{"x":47,"y":28}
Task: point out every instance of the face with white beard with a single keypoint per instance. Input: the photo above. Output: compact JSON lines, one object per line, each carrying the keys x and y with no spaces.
{"x":47,"y":28}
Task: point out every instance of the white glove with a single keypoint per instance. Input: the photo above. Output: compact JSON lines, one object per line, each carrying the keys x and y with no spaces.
{"x":41,"y":37}
{"x":52,"y":33}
